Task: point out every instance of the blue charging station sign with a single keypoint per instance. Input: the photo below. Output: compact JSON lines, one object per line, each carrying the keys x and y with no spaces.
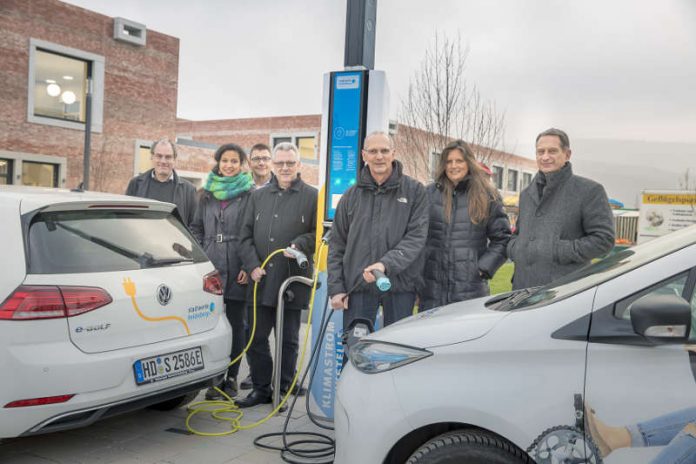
{"x":346,"y":129}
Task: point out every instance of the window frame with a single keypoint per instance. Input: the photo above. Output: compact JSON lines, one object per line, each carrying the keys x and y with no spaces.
{"x":9,"y":176}
{"x":97,"y":64}
{"x":517,"y":180}
{"x":293,"y":136}
{"x":531,"y":178}
{"x":502,"y":176}
{"x":18,"y":158}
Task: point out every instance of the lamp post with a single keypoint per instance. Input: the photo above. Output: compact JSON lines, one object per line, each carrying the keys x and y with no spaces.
{"x":88,"y":135}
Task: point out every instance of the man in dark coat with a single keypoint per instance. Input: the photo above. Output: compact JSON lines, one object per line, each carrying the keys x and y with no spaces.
{"x":380,"y":223}
{"x":163,"y":183}
{"x":280,"y":215}
{"x":565,"y":220}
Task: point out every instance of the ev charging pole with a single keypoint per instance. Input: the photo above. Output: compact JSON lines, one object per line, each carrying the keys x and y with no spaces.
{"x":355,"y":103}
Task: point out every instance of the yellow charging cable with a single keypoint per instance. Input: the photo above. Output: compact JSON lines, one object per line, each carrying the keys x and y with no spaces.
{"x":227,"y":410}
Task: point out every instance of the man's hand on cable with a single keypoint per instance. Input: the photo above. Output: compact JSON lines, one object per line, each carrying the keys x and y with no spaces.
{"x":367,"y":272}
{"x":257,"y":274}
{"x":339,"y":301}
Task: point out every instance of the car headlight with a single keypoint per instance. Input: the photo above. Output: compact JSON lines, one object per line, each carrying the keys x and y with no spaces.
{"x":373,"y":357}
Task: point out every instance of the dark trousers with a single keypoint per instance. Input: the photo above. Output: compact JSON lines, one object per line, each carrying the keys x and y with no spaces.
{"x":364,"y":305}
{"x":260,"y":360}
{"x":236,"y":314}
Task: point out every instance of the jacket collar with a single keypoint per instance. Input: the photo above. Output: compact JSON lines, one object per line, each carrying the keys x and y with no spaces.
{"x":295,"y":185}
{"x":551,"y":181}
{"x":462,"y":186}
{"x":367,"y":181}
{"x":174,"y":177}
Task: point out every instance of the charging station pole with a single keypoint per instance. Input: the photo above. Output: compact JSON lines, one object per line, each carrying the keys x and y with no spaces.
{"x":355,"y":103}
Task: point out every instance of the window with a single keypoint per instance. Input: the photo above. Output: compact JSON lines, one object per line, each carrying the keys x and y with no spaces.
{"x":498,"y":177}
{"x":306,"y":143}
{"x":526,"y":180}
{"x":277,"y":140}
{"x":60,"y":86}
{"x":32,"y":169}
{"x":58,"y":80}
{"x":142,"y":160}
{"x":5,"y":171}
{"x":306,"y":146}
{"x":104,"y":241}
{"x":512,"y":180}
{"x":38,"y":174}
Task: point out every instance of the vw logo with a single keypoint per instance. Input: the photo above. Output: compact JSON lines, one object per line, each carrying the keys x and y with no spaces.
{"x":164,"y":295}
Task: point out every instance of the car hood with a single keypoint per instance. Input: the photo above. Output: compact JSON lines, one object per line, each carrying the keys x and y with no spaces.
{"x":445,"y":325}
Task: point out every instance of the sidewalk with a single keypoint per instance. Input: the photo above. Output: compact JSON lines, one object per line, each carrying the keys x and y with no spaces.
{"x":153,"y":437}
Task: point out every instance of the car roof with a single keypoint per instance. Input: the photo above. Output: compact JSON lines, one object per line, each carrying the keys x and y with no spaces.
{"x":33,"y":198}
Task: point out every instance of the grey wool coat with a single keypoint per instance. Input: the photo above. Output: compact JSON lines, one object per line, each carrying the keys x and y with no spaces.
{"x":457,"y":251}
{"x":561,"y":231}
{"x":217,"y":230}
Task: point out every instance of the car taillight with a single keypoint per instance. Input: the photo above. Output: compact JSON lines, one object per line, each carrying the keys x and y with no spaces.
{"x":39,"y":401}
{"x":30,"y":302}
{"x":212,"y":283}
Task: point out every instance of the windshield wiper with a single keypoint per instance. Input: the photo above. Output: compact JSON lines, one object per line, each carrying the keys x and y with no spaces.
{"x":511,"y":299}
{"x":147,"y":260}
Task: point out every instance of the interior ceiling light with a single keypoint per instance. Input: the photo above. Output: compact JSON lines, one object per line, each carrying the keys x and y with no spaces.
{"x":53,"y":89}
{"x":68,"y":97}
{"x":50,"y":81}
{"x":68,"y":78}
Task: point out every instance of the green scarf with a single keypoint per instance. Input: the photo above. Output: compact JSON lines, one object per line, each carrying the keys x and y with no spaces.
{"x":227,"y":188}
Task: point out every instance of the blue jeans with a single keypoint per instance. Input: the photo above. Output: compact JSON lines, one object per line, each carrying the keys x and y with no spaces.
{"x":667,"y":430}
{"x":364,"y":305}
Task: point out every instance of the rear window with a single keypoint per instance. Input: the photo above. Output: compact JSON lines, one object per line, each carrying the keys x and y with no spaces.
{"x":68,"y":242}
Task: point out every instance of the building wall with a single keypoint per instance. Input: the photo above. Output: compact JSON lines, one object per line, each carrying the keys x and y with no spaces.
{"x":249,"y":131}
{"x":140,"y":90}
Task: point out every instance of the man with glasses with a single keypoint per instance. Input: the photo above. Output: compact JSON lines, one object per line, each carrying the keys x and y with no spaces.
{"x":260,"y":162}
{"x":381,"y":223}
{"x":280,"y":215}
{"x":162,"y":182}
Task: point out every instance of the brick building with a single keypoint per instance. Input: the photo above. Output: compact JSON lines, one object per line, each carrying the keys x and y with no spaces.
{"x":48,"y":52}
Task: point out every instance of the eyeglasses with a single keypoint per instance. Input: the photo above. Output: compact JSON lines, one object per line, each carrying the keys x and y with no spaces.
{"x":381,"y":151}
{"x":168,"y":158}
{"x":261,"y":159}
{"x":280,"y":164}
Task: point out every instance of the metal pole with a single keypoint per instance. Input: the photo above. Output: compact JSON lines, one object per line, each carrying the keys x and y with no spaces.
{"x":88,"y":135}
{"x":279,"y":333}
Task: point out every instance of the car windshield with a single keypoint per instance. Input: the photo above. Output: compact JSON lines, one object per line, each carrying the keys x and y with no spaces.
{"x":596,"y":273}
{"x":107,"y":240}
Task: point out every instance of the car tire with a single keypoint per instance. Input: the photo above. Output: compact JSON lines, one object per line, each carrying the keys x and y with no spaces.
{"x":469,"y":446}
{"x":174,"y":403}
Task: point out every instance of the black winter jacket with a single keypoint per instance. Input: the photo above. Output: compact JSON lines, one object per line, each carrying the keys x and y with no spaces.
{"x":458,"y":250}
{"x":217,"y":230}
{"x":385,"y":223}
{"x":276,"y":218}
{"x":184,"y":193}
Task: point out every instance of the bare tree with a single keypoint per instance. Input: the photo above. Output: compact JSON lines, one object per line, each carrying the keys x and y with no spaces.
{"x":687,"y":181}
{"x":443,"y":105}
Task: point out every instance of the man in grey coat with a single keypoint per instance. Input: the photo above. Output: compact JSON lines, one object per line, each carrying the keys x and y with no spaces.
{"x":381,"y":223}
{"x":565,"y":220}
{"x":163,"y":183}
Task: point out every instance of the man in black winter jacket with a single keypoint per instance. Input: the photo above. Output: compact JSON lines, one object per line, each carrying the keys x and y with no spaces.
{"x":380,"y":223}
{"x":163,"y":183}
{"x":279,"y":215}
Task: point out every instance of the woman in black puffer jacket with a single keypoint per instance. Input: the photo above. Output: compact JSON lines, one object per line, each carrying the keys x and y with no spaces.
{"x":468,"y":230}
{"x":216,"y":226}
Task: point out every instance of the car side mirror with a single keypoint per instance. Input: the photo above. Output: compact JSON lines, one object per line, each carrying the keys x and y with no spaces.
{"x":662,"y":319}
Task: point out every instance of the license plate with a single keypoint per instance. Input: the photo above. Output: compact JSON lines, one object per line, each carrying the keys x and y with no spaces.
{"x":166,"y":366}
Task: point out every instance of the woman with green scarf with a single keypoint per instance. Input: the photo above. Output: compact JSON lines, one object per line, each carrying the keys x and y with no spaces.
{"x":216,"y":227}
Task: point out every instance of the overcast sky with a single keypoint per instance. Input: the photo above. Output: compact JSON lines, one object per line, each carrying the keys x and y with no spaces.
{"x":600,"y":69}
